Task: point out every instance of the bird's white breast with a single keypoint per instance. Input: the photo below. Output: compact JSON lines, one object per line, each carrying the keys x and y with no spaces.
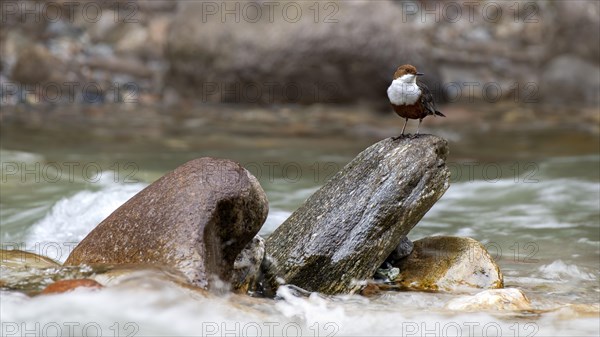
{"x":404,"y":91}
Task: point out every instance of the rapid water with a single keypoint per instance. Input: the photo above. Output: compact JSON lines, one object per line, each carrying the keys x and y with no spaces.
{"x":534,"y":204}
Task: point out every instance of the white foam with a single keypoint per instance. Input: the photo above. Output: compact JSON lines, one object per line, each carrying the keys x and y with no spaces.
{"x":276,"y":217}
{"x":558,"y":270}
{"x":20,"y":156}
{"x":465,"y":231}
{"x":158,"y":308}
{"x":280,"y":200}
{"x":72,"y":218}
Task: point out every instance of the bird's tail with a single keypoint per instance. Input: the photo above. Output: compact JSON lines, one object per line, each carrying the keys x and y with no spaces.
{"x":439,"y":113}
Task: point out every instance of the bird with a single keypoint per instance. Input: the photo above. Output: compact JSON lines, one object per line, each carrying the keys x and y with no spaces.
{"x":409,"y":98}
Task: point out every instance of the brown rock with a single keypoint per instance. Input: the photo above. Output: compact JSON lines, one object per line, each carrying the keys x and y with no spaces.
{"x":36,"y":65}
{"x":447,"y":263}
{"x":576,"y":26}
{"x":196,"y":219}
{"x":64,"y":286}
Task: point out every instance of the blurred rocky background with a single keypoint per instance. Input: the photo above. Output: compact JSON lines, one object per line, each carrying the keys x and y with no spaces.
{"x":538,"y":54}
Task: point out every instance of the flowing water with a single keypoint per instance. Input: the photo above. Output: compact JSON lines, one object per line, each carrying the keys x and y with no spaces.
{"x":531,"y":197}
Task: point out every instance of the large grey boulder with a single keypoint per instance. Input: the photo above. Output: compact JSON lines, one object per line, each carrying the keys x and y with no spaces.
{"x":573,"y":77}
{"x":197,"y":219}
{"x":290,"y":51}
{"x":344,"y":231}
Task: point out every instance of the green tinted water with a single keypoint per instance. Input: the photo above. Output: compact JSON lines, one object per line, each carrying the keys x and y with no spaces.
{"x":531,"y":196}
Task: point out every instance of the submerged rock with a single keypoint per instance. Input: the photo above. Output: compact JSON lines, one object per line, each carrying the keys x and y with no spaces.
{"x":494,"y":299}
{"x":578,"y":310}
{"x":64,"y":286}
{"x":22,"y":259}
{"x":346,"y":229}
{"x":196,"y":219}
{"x":130,"y":276}
{"x":447,"y":263}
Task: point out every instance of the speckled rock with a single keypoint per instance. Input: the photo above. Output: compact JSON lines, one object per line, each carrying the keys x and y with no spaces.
{"x":346,"y":229}
{"x":196,"y":219}
{"x":447,"y":263}
{"x":246,"y":268}
{"x":492,"y":300}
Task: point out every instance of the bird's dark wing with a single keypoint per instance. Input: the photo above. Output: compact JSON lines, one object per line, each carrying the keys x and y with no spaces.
{"x":427,"y":100}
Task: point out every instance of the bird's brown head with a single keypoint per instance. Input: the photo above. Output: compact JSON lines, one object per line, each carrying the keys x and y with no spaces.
{"x":406,"y":69}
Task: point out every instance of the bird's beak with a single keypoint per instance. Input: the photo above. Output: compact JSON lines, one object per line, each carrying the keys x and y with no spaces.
{"x":420,"y":74}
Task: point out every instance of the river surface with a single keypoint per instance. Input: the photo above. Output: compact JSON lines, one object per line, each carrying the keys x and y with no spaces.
{"x":531,"y":196}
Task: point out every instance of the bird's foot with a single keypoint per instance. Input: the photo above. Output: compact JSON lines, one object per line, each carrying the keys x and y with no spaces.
{"x":408,"y":136}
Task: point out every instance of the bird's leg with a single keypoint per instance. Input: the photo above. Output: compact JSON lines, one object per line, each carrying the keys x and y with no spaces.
{"x":420,"y":120}
{"x":402,"y":134}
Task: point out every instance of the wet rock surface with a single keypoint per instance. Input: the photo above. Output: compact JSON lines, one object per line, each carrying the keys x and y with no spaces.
{"x":346,"y":229}
{"x":196,"y":219}
{"x":447,"y":263}
{"x":403,"y":250}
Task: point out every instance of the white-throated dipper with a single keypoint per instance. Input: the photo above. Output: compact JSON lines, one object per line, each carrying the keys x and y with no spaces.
{"x":409,"y":98}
